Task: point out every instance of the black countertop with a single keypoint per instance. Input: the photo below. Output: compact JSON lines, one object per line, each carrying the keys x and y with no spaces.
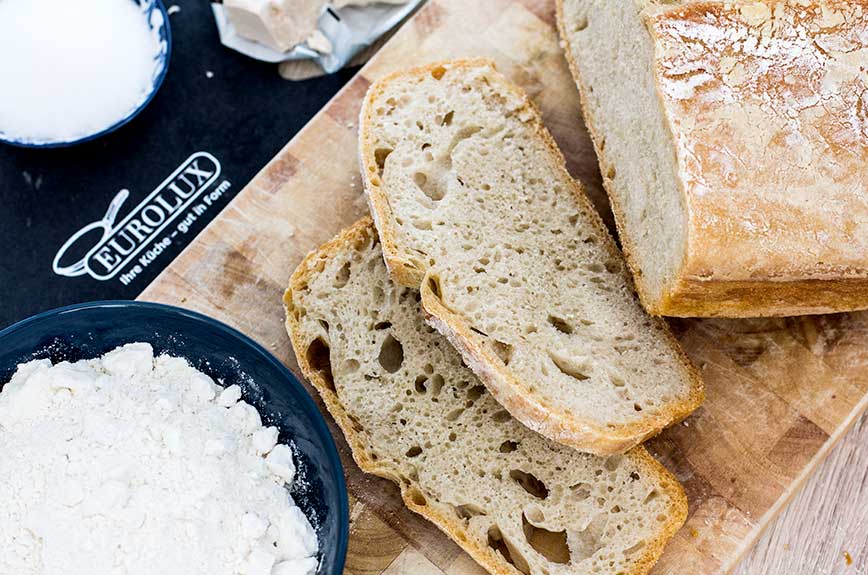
{"x":217,"y":120}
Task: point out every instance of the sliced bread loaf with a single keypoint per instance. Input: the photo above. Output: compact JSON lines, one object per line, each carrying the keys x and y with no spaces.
{"x":732,"y":141}
{"x":413,"y":413}
{"x":475,"y":207}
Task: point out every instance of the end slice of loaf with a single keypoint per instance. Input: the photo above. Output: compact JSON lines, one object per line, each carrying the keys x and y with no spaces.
{"x":413,"y":413}
{"x":729,"y":148}
{"x":475,"y":207}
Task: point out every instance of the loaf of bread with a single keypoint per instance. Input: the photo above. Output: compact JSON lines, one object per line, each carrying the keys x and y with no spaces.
{"x":475,"y":207}
{"x":413,"y":413}
{"x":733,"y":140}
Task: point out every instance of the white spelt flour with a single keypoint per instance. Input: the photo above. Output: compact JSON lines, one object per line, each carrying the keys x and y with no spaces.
{"x":135,"y":465}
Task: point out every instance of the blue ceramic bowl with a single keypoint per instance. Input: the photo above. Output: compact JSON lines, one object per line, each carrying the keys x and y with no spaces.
{"x":90,"y":329}
{"x":158,"y":19}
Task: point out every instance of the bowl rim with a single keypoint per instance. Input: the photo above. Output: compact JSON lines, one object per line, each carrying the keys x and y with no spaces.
{"x":155,"y":87}
{"x":307,"y":400}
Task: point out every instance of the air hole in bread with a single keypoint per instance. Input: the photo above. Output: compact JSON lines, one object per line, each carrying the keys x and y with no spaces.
{"x":613,"y":462}
{"x":357,"y":426}
{"x":318,"y":356}
{"x":343,"y":276}
{"x":652,"y":495}
{"x":508,"y":446}
{"x":534,"y":514}
{"x":380,"y":155}
{"x":580,"y":25}
{"x":550,"y":544}
{"x":350,"y":366}
{"x":560,"y":324}
{"x":569,"y":366}
{"x":391,"y":354}
{"x":417,"y":497}
{"x":497,"y":542}
{"x":586,"y":543}
{"x":414,"y":451}
{"x":475,"y":392}
{"x":469,"y":511}
{"x":447,"y":119}
{"x":424,"y":225}
{"x":581,"y":491}
{"x":438,"y":72}
{"x":454,"y":414}
{"x":637,"y":407}
{"x":434,"y":287}
{"x":529,"y":483}
{"x":382,"y":325}
{"x":421,"y":384}
{"x":622,"y":349}
{"x":436,"y":385}
{"x":433,"y":189}
{"x":479,"y":331}
{"x":610,"y":173}
{"x":633,"y":548}
{"x":501,"y":416}
{"x":503,"y":351}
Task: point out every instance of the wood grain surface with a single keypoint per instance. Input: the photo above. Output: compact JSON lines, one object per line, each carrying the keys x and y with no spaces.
{"x":781,"y":392}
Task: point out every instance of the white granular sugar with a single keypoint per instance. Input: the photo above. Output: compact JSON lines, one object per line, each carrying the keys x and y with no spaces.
{"x":136,"y":465}
{"x":69,"y":69}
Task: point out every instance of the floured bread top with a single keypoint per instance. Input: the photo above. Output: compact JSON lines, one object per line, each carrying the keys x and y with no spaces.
{"x":768,"y":105}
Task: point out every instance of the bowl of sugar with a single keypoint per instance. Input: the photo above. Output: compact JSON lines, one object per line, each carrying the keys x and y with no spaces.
{"x":73,"y":71}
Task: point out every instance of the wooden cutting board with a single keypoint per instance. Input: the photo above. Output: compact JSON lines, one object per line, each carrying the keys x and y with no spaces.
{"x":780,"y":392}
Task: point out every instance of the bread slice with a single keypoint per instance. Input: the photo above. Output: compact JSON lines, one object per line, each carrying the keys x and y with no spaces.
{"x":732,"y":140}
{"x":475,"y":207}
{"x":413,"y":413}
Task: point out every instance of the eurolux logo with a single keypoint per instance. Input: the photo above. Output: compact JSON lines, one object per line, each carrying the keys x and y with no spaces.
{"x":139,"y":238}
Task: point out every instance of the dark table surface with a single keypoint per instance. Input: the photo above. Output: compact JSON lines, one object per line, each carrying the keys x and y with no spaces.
{"x":215,"y":103}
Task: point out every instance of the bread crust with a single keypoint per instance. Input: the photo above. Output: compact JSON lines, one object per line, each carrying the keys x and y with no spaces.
{"x":689,"y":294}
{"x":558,"y":426}
{"x":490,"y":560}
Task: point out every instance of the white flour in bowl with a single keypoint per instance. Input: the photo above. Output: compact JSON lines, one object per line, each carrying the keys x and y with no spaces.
{"x":69,"y":69}
{"x":136,"y":465}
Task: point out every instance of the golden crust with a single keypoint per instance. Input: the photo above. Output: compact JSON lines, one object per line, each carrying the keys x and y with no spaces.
{"x":358,"y":234}
{"x":757,"y":244}
{"x":561,"y":427}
